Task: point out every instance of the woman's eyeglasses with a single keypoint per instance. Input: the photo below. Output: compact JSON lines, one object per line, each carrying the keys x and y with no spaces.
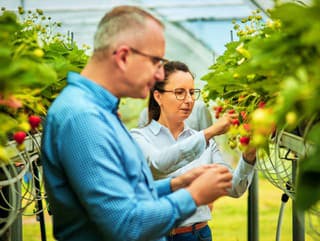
{"x":181,"y":93}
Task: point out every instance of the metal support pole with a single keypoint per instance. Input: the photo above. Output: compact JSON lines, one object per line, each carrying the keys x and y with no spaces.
{"x":40,"y":212}
{"x":298,"y":232}
{"x":22,"y":4}
{"x":3,"y":212}
{"x":253,"y":216}
{"x":14,"y":232}
{"x":16,"y":228}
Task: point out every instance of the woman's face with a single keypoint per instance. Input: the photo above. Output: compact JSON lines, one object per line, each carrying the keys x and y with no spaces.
{"x":173,"y":106}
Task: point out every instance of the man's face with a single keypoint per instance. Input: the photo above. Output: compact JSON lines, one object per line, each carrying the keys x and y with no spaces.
{"x":145,"y":63}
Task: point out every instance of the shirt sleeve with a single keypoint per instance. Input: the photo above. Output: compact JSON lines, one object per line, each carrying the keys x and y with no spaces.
{"x":143,"y":118}
{"x":242,"y":174}
{"x":163,"y":186}
{"x":93,"y":164}
{"x":167,"y":159}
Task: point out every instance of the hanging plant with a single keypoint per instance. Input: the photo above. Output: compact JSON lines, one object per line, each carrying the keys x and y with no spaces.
{"x":271,"y":77}
{"x":34,"y":60}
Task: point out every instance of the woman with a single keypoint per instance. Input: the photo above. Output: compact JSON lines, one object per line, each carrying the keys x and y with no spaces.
{"x":199,"y":119}
{"x":172,"y":148}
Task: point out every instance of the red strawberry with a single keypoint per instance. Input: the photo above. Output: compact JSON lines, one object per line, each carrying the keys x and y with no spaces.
{"x":243,"y":115}
{"x":232,"y":111}
{"x":262,"y":104}
{"x":19,"y":136}
{"x":246,"y":126}
{"x":235,"y":122}
{"x":34,"y":121}
{"x":219,"y":108}
{"x":244,"y":140}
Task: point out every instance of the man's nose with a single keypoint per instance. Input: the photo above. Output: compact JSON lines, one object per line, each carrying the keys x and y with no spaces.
{"x":159,"y":75}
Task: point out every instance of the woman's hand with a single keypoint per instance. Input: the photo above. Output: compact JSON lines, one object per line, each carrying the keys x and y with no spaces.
{"x":205,"y":184}
{"x":221,"y":126}
{"x":250,"y":155}
{"x":185,"y":179}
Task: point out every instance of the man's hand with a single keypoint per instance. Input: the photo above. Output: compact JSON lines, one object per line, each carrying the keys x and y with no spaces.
{"x":185,"y":179}
{"x":210,"y":185}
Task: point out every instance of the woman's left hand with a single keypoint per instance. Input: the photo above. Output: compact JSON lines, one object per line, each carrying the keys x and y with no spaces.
{"x":250,"y":155}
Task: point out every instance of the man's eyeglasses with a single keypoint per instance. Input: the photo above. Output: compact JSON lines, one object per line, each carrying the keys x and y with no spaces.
{"x":181,"y":93}
{"x":154,"y":59}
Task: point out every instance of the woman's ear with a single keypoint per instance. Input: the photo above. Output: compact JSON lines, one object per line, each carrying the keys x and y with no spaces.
{"x":157,"y":96}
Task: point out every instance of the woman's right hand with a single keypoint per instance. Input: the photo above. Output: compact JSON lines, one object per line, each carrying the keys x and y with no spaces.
{"x":220,"y":126}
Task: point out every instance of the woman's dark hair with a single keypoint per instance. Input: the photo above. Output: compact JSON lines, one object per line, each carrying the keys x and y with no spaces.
{"x":169,"y":68}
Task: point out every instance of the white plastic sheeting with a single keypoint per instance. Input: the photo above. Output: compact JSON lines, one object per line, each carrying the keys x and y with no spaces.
{"x":196,"y":31}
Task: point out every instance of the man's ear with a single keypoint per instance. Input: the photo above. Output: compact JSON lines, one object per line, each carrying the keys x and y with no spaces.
{"x":121,"y":56}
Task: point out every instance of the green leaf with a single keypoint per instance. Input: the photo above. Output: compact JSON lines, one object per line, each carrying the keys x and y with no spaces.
{"x":308,"y":180}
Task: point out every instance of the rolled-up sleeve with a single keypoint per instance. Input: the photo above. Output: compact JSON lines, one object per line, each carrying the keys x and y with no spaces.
{"x":242,"y":174}
{"x":163,"y":186}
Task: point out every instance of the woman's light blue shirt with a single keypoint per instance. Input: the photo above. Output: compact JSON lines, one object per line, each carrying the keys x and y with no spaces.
{"x":170,"y":157}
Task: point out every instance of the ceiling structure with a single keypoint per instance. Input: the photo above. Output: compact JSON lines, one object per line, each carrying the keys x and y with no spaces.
{"x":196,"y":30}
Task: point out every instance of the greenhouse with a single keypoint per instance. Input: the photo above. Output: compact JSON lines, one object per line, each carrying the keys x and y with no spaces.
{"x":250,"y":70}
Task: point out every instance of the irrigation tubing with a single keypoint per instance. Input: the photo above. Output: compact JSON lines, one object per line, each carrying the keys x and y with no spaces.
{"x":284,"y":200}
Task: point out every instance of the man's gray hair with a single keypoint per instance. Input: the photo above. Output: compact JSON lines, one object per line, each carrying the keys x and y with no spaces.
{"x":117,"y":21}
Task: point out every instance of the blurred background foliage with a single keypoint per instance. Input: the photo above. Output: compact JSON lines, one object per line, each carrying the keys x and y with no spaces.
{"x":34,"y":60}
{"x":271,"y":77}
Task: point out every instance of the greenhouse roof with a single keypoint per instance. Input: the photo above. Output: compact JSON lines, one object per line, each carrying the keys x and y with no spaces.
{"x":196,"y":30}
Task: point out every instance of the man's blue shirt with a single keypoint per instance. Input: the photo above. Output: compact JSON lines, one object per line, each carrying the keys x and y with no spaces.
{"x":98,"y":182}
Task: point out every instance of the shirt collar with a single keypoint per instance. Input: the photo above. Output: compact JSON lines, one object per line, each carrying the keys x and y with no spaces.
{"x":156,"y":127}
{"x":103,"y":96}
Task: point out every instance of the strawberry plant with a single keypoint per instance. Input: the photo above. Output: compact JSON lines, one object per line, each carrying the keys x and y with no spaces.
{"x":34,"y":61}
{"x":271,"y":74}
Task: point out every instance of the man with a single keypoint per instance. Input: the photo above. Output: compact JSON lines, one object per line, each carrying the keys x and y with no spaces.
{"x":98,"y":183}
